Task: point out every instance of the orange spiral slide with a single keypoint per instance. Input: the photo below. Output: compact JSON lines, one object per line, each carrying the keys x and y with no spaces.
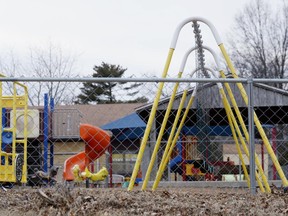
{"x":96,"y":142}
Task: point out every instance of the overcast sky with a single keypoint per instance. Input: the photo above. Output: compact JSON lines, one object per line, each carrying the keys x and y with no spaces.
{"x":134,"y":34}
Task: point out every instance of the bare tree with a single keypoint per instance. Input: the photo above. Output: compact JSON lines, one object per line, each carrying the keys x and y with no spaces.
{"x":50,"y":63}
{"x":259,"y":41}
{"x":9,"y":66}
{"x":47,"y":62}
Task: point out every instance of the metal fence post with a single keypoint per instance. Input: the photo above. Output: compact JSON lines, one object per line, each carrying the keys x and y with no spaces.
{"x":251,"y":136}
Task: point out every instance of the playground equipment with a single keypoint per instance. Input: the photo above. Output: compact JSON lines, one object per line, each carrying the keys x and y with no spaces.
{"x":241,"y":135}
{"x":80,"y":176}
{"x":13,"y":166}
{"x":20,"y":138}
{"x":191,"y":170}
{"x":76,"y":168}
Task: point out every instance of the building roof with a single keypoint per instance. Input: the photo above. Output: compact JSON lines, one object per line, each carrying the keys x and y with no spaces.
{"x":264,"y":95}
{"x":101,"y":114}
{"x":129,"y":121}
{"x":66,"y":119}
{"x":270,"y":104}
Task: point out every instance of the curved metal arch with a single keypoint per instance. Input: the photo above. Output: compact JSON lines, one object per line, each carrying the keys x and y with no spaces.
{"x":184,"y":60}
{"x":191,"y":19}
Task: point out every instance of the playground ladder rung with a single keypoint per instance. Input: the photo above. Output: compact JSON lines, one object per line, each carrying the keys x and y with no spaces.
{"x":8,"y":101}
{"x":21,"y":141}
{"x":5,"y":153}
{"x":5,"y":174}
{"x":8,"y":129}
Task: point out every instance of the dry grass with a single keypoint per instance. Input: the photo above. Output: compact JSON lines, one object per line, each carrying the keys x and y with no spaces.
{"x":99,"y":201}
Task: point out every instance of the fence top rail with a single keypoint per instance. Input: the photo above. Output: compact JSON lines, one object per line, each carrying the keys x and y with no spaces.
{"x":117,"y":79}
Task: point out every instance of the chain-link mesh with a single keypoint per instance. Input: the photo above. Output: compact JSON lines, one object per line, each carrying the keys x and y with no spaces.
{"x":98,"y":142}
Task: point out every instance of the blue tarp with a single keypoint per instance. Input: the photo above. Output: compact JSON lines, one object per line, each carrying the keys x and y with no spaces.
{"x":208,"y":130}
{"x":129,"y":127}
{"x":133,"y":127}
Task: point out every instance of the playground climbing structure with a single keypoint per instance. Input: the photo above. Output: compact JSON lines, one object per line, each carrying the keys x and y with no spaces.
{"x":13,"y":167}
{"x":239,"y":130}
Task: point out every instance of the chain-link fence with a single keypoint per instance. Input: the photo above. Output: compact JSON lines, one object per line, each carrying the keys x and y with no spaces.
{"x":97,"y":143}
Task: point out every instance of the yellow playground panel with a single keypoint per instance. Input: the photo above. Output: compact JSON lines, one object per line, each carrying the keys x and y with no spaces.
{"x":239,"y":132}
{"x":13,"y":165}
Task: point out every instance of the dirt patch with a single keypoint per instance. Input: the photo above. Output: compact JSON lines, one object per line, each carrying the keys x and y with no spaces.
{"x":99,"y":201}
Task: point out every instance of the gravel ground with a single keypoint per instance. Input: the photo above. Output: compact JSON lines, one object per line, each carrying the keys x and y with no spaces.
{"x":117,"y":201}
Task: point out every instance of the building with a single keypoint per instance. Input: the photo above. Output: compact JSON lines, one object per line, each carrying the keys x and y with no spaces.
{"x":63,"y":134}
{"x":207,"y":122}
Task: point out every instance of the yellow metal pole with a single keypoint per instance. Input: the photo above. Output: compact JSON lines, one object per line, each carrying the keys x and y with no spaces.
{"x":242,"y":141}
{"x":164,"y":164}
{"x":24,"y":167}
{"x":1,"y":92}
{"x":6,"y":171}
{"x":227,"y":108}
{"x":226,"y":103}
{"x":163,"y":125}
{"x":239,"y":116}
{"x":5,"y":157}
{"x":256,"y":120}
{"x":150,"y":123}
{"x":160,"y":135}
{"x":168,"y":145}
{"x":14,"y":129}
{"x":1,"y":119}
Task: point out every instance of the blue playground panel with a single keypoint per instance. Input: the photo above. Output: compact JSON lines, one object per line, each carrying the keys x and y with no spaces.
{"x":6,"y":136}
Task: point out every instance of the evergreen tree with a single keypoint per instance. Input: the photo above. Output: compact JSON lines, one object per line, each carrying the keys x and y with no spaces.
{"x":103,"y":92}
